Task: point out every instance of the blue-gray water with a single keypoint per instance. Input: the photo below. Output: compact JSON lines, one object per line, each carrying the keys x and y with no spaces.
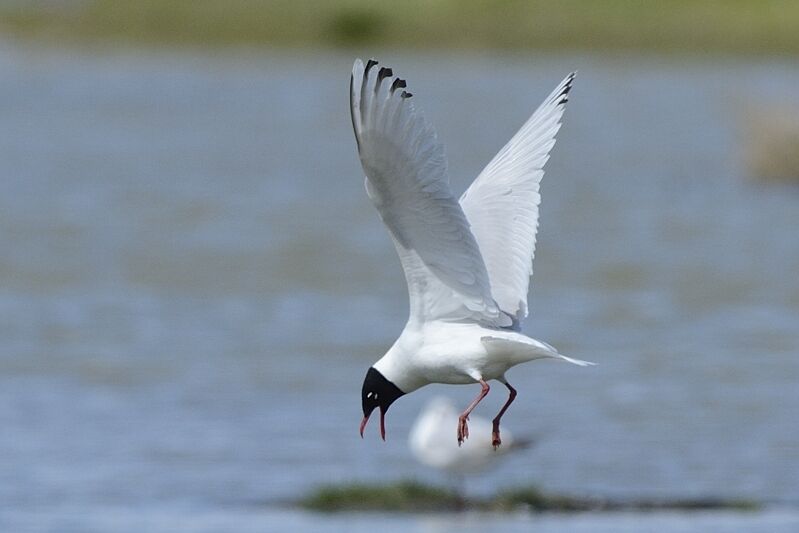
{"x":193,"y":283}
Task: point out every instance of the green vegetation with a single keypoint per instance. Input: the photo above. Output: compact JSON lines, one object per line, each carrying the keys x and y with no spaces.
{"x":535,"y":500}
{"x":404,"y":496}
{"x":412,"y":496}
{"x":744,"y":26}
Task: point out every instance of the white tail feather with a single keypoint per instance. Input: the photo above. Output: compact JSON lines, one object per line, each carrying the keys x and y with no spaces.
{"x":578,"y":362}
{"x":527,"y":349}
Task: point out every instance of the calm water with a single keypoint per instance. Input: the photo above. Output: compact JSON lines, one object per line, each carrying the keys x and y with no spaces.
{"x":193,"y":284}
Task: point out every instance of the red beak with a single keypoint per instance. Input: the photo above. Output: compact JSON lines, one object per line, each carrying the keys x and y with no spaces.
{"x":382,"y":424}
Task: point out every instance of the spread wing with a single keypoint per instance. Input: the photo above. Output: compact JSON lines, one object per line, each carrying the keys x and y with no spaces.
{"x":406,"y":179}
{"x":502,"y":203}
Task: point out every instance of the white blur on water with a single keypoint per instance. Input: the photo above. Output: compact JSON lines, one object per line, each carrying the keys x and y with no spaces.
{"x":431,"y":443}
{"x":193,"y":284}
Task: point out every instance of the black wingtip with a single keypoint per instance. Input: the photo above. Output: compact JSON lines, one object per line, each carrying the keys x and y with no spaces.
{"x":382,"y":74}
{"x":406,"y":94}
{"x":369,"y":64}
{"x":385,"y":72}
{"x":563,"y":95}
{"x":398,"y":84}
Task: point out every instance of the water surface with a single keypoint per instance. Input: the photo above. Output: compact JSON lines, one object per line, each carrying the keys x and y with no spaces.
{"x":193,"y":284}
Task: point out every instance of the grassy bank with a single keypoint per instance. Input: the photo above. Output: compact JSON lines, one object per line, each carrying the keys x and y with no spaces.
{"x":740,"y":26}
{"x":411,"y":496}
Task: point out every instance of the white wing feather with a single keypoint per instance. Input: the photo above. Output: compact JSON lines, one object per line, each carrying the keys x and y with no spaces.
{"x":502,"y":203}
{"x":407,"y":181}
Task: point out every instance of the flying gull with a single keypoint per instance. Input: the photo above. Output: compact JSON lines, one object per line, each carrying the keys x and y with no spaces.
{"x":467,"y":263}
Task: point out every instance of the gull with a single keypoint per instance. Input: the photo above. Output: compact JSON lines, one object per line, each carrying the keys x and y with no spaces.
{"x":431,"y":443}
{"x":467,"y":262}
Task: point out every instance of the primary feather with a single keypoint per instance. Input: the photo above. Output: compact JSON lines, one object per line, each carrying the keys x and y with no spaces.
{"x":502,"y":203}
{"x":406,"y":179}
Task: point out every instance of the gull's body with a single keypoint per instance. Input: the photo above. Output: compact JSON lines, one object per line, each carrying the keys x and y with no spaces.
{"x":467,"y":263}
{"x":457,"y":354}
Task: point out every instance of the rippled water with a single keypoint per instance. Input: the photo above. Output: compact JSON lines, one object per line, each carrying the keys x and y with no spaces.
{"x":193,"y":284}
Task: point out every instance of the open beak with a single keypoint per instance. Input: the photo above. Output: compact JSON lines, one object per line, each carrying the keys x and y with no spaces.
{"x":382,"y":424}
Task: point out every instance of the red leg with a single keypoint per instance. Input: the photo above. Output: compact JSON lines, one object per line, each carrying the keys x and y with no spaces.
{"x":463,"y":428}
{"x":495,"y":440}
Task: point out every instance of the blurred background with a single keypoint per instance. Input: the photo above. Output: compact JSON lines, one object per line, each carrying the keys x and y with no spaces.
{"x":193,"y":282}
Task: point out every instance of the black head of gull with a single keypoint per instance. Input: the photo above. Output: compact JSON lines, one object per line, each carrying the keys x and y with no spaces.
{"x":377,"y":392}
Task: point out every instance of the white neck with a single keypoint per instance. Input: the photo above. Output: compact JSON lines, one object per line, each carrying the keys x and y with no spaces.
{"x":396,"y":366}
